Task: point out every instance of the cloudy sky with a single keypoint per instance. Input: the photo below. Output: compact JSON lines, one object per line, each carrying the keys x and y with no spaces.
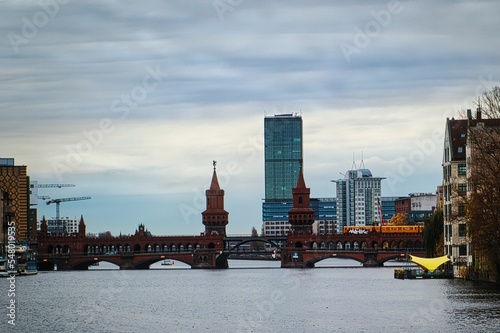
{"x":132,"y":100}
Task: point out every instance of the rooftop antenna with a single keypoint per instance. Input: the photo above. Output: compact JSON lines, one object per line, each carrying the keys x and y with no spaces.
{"x":353,"y":163}
{"x":362,"y":165}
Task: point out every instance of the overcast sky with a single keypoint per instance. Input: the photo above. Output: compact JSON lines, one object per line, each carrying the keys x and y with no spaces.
{"x":132,"y":100}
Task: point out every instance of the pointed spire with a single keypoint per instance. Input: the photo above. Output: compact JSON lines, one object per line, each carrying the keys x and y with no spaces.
{"x":214,"y":185}
{"x":300,"y":181}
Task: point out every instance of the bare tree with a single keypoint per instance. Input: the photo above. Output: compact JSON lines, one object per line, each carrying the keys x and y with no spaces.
{"x":483,"y":199}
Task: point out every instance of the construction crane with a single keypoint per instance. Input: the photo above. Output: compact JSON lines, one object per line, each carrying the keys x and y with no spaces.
{"x":58,"y":202}
{"x":55,"y":185}
{"x":34,"y":186}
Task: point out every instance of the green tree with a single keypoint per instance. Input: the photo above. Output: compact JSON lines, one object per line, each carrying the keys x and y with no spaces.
{"x":433,"y":234}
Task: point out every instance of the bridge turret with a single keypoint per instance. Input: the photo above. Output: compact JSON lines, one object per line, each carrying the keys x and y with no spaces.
{"x":82,"y":228}
{"x":43,"y":227}
{"x":301,"y":216}
{"x":215,"y":218}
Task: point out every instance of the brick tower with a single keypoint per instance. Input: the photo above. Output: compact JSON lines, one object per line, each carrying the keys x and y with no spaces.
{"x":215,"y":218}
{"x":301,"y":216}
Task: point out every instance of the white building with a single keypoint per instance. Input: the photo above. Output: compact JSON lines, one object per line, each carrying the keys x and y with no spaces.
{"x":422,"y":201}
{"x":70,"y":225}
{"x":358,"y":199}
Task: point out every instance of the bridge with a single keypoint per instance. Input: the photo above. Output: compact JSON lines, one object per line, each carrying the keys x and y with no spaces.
{"x":212,"y":248}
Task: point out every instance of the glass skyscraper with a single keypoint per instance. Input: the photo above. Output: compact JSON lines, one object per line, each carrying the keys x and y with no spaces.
{"x":282,"y":155}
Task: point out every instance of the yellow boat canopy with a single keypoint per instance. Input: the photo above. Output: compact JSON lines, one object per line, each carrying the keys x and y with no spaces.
{"x":429,"y":263}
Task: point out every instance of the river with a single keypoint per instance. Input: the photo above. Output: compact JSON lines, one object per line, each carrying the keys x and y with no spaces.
{"x":248,"y":297}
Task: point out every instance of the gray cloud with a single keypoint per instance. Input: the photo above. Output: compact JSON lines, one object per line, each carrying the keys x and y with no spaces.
{"x":418,"y":66}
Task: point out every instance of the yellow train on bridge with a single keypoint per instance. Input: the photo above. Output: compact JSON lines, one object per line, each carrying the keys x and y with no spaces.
{"x":385,"y":229}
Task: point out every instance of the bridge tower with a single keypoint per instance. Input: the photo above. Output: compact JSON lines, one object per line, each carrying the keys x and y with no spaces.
{"x":301,"y":216}
{"x":215,"y":218}
{"x":301,"y":219}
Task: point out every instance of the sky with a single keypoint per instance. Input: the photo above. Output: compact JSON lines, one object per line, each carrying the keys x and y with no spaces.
{"x":131,"y":101}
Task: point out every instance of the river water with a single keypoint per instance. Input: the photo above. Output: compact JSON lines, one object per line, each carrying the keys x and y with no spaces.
{"x":248,"y":299}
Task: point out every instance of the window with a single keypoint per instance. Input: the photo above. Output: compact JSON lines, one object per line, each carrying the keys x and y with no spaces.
{"x":462,"y":230}
{"x":462,"y":170}
{"x":460,"y":150}
{"x":462,"y":250}
{"x":462,"y":188}
{"x":461,"y":210}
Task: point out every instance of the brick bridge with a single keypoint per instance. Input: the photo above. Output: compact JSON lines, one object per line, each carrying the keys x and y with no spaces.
{"x":211,"y":249}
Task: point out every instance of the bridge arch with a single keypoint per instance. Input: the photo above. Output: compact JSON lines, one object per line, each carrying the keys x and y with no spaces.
{"x":144,"y":264}
{"x":359,"y":257}
{"x":86,"y":262}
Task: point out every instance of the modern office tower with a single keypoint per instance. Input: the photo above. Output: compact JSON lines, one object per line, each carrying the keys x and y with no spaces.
{"x":282,"y":163}
{"x":15,"y":181}
{"x":282,"y":155}
{"x":358,"y":199}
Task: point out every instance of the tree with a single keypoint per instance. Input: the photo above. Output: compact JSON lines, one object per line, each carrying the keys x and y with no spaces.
{"x":398,"y":219}
{"x":433,"y":234}
{"x":483,"y":199}
{"x":256,"y":246}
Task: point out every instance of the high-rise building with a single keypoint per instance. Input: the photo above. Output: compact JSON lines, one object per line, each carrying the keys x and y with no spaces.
{"x":358,"y":199}
{"x":282,"y":163}
{"x":282,"y":155}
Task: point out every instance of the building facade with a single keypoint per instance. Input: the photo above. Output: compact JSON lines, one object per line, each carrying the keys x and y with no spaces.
{"x":388,"y":209}
{"x":282,"y":155}
{"x":276,"y":218}
{"x":282,"y":163}
{"x":456,"y":243}
{"x":64,"y":224}
{"x":358,"y":199}
{"x":15,"y":181}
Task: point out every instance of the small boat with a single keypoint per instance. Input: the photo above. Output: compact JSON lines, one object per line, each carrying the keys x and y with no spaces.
{"x":26,"y":260}
{"x":428,"y":269}
{"x":167,"y":262}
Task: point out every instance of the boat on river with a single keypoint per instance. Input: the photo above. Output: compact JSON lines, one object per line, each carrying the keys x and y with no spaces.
{"x":427,"y":269}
